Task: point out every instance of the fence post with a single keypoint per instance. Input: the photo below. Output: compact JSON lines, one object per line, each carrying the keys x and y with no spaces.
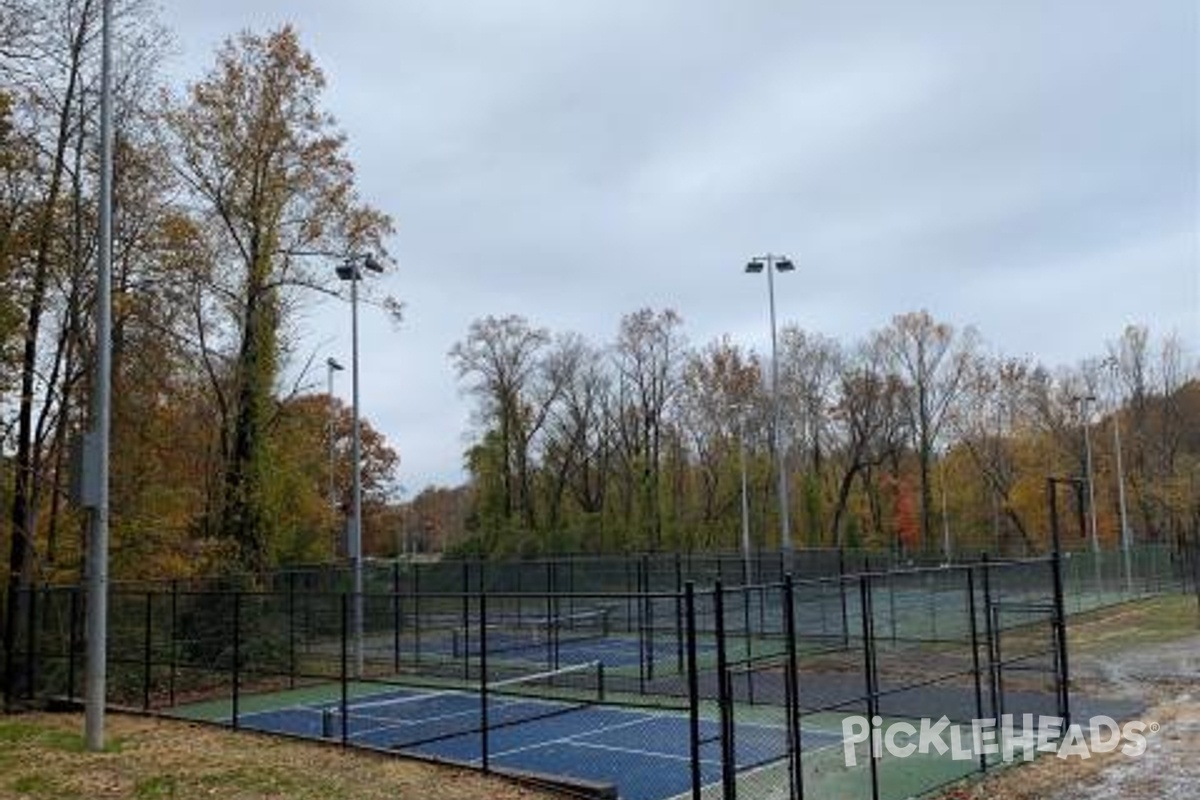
{"x":72,"y":636}
{"x":483,"y":684}
{"x":648,"y":613}
{"x":237,"y":652}
{"x":792,"y":690}
{"x":147,"y":644}
{"x":864,"y":585}
{"x":172,"y":657}
{"x":638,"y":599}
{"x":291,"y":616}
{"x":678,"y":615}
{"x":1060,"y":626}
{"x":991,"y":634}
{"x":725,"y":700}
{"x":33,"y":644}
{"x":975,"y":657}
{"x":842,"y":592}
{"x":344,"y":701}
{"x":415,"y":604}
{"x":693,"y":687}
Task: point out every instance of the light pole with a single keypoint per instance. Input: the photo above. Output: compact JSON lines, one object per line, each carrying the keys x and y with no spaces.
{"x":770,"y":264}
{"x":350,"y":270}
{"x":331,"y":366}
{"x":95,"y":681}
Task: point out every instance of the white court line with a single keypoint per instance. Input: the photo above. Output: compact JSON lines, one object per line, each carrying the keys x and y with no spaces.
{"x":641,"y":718}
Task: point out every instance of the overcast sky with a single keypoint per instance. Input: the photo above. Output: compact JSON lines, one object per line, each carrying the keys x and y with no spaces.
{"x":1026,"y":166}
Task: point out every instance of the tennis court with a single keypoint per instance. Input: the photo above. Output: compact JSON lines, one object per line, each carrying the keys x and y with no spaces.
{"x":645,"y":753}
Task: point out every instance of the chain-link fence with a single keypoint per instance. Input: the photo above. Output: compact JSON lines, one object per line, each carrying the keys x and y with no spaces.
{"x":660,"y":677}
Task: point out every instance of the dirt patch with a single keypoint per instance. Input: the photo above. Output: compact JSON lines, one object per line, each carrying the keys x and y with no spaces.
{"x":1148,"y":653}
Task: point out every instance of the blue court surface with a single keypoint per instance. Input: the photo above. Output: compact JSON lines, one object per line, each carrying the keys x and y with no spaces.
{"x":645,"y":753}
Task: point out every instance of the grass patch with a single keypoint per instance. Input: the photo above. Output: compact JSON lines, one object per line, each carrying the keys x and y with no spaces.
{"x":42,"y":756}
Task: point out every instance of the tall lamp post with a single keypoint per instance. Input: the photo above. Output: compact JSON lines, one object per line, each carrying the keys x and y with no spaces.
{"x":770,"y":264}
{"x":331,"y":366}
{"x":351,"y":270}
{"x":96,"y":678}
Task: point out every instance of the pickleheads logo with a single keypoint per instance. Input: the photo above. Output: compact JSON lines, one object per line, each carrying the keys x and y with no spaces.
{"x":983,"y":737}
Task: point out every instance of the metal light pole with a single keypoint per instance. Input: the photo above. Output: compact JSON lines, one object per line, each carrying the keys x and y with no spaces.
{"x":769,"y":264}
{"x":96,"y":677}
{"x":350,"y":271}
{"x":331,"y":366}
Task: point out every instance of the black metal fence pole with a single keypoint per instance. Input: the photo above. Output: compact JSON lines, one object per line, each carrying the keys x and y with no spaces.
{"x":485,"y":735}
{"x":693,"y":685}
{"x":725,"y":700}
{"x":343,"y":677}
{"x":291,"y":617}
{"x":864,"y":585}
{"x":72,"y":638}
{"x":147,"y":644}
{"x":31,"y":640}
{"x":842,"y":592}
{"x":678,"y":612}
{"x":791,"y":685}
{"x":173,"y":651}
{"x":975,"y":657}
{"x":237,"y":654}
{"x":991,"y":633}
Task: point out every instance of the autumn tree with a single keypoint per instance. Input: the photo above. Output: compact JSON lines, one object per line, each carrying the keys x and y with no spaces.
{"x":500,"y":361}
{"x":932,"y":361}
{"x":272,"y":186}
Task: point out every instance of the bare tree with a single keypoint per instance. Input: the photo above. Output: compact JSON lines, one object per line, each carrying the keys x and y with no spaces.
{"x":932,"y":361}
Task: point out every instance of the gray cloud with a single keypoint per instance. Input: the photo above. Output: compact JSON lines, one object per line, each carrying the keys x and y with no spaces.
{"x":1024,"y":166}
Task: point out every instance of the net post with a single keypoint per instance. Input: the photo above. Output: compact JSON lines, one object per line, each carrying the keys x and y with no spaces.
{"x":971,"y":610}
{"x":792,"y":689}
{"x":693,"y":689}
{"x":147,"y":641}
{"x":344,"y":700}
{"x":990,"y":634}
{"x":483,"y":683}
{"x":237,"y":653}
{"x":725,"y":700}
{"x":600,"y":681}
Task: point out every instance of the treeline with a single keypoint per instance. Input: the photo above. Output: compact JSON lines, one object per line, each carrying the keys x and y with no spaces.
{"x":234,"y":201}
{"x":916,"y":435}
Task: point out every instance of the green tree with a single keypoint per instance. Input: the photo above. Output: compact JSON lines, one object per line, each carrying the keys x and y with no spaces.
{"x":273,"y":185}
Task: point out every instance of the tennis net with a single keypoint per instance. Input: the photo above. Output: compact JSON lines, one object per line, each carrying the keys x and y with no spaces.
{"x":403,"y":719}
